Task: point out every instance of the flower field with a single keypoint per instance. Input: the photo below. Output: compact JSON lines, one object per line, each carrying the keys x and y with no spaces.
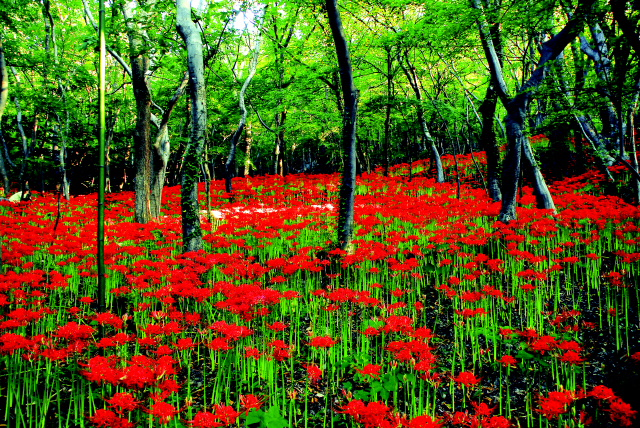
{"x":440,"y":317}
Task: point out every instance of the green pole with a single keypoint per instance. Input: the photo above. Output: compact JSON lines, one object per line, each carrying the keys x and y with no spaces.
{"x":101,"y":89}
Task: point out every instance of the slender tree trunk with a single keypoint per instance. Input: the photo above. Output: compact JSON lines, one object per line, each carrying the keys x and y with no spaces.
{"x":414,"y":82}
{"x":141,"y":134}
{"x":243,"y":117}
{"x":490,"y":144}
{"x":387,"y":118}
{"x":247,"y":155}
{"x":4,"y":92}
{"x":350,"y":98}
{"x":516,"y":107}
{"x":162,"y":150}
{"x":191,"y":231}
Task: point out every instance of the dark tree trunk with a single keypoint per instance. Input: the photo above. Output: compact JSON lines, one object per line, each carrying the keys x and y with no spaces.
{"x":516,"y":107}
{"x":414,"y":82}
{"x":387,"y":118}
{"x":490,"y":144}
{"x":248,"y":140}
{"x":350,"y":99}
{"x":141,"y":138}
{"x":4,"y":91}
{"x":191,"y":231}
{"x":243,"y":117}
{"x":161,"y":151}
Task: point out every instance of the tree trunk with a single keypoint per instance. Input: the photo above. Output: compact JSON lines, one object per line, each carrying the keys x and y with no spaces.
{"x":516,"y":107}
{"x":243,"y":117}
{"x":350,"y":98}
{"x":490,"y":144}
{"x":191,"y":231}
{"x":387,"y":118}
{"x":247,"y":155}
{"x":4,"y":91}
{"x":161,"y":152}
{"x":414,"y":82}
{"x":141,"y":137}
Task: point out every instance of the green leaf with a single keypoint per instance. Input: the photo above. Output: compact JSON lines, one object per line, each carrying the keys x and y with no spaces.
{"x":347,"y":386}
{"x":361,"y":395}
{"x":273,"y":419}
{"x":410,"y":378}
{"x":376,"y":386}
{"x":523,"y":355}
{"x":391,"y":383}
{"x":384,"y":394}
{"x":254,"y":416}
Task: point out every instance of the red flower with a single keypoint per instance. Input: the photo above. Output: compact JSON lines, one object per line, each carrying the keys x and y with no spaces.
{"x":424,"y":421}
{"x":250,"y":401}
{"x":322,"y":342}
{"x":108,"y":419}
{"x":251,"y":353}
{"x":496,"y":422}
{"x":467,"y":379}
{"x":123,"y":402}
{"x":163,"y":411}
{"x":369,"y":370}
{"x":601,"y":392}
{"x":571,"y":358}
{"x":277,"y":326}
{"x":507,"y":361}
{"x":621,"y":412}
{"x":313,"y":372}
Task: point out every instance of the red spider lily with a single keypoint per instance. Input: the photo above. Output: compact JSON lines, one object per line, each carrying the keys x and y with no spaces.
{"x":164,"y":412}
{"x":183,"y":344}
{"x":508,"y":361}
{"x":374,"y":414}
{"x":218,"y":344}
{"x":322,"y":342}
{"x":170,"y":386}
{"x":571,"y":358}
{"x":621,"y":412}
{"x":467,"y":379}
{"x":204,"y":420}
{"x":251,"y":353}
{"x":496,"y":422}
{"x":108,"y":419}
{"x":636,"y":356}
{"x":555,"y":404}
{"x":369,"y":370}
{"x":543,"y":344}
{"x":313,"y":372}
{"x":482,"y":409}
{"x":370,"y":331}
{"x":73,"y":331}
{"x":277,"y":326}
{"x":601,"y":392}
{"x":250,"y":401}
{"x":424,"y":421}
{"x":123,"y":402}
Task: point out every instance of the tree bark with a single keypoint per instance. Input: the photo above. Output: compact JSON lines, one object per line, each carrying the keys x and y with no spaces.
{"x":248,"y":138}
{"x":162,"y":150}
{"x":191,"y":231}
{"x":228,"y":172}
{"x":518,"y":143}
{"x":490,"y":144}
{"x":141,"y":134}
{"x":387,"y":118}
{"x":350,"y":99}
{"x":4,"y":92}
{"x":414,"y":82}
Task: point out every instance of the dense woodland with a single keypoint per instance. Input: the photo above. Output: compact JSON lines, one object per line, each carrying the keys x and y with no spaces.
{"x":427,"y":79}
